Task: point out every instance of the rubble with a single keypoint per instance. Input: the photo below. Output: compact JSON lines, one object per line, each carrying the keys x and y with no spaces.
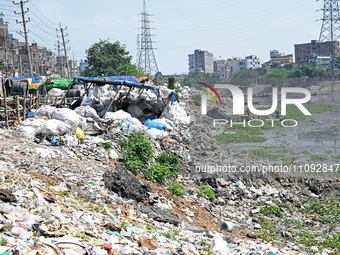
{"x":64,"y":191}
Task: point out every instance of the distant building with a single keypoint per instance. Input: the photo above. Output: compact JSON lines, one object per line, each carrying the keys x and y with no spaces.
{"x":252,"y":62}
{"x":238,"y":64}
{"x":304,"y":49}
{"x":83,"y":65}
{"x":276,"y":53}
{"x":201,"y":61}
{"x":222,"y":68}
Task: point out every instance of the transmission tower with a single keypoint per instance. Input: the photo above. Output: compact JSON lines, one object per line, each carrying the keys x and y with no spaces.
{"x":328,"y":44}
{"x":146,"y":58}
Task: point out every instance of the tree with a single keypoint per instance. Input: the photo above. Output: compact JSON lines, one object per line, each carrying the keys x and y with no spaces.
{"x":171,"y":83}
{"x":246,"y":73}
{"x":110,"y":59}
{"x":2,"y":16}
{"x":277,"y":73}
{"x":186,"y":81}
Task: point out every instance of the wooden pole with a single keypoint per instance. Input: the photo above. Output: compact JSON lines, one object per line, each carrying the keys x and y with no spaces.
{"x":30,"y":103}
{"x":5,"y":101}
{"x":36,"y":99}
{"x":24,"y":117}
{"x":18,"y":108}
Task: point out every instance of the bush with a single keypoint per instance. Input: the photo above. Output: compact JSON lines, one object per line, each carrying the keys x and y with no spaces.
{"x":204,"y":190}
{"x":158,"y":173}
{"x":171,"y":161}
{"x":137,"y":146}
{"x":171,"y":83}
{"x":177,"y":96}
{"x":177,"y":189}
{"x":135,"y":166}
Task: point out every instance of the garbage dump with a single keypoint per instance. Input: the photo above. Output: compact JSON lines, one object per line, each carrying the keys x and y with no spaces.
{"x":66,"y":187}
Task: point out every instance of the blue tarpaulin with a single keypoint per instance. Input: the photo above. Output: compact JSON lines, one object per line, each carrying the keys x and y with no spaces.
{"x":122,"y":78}
{"x":35,"y":79}
{"x":102,"y":82}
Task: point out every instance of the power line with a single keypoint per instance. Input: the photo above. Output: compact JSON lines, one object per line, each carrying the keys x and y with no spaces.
{"x":43,"y":14}
{"x":42,"y":22}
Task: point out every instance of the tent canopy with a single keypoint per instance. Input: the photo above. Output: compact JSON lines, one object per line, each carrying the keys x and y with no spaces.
{"x":105,"y":81}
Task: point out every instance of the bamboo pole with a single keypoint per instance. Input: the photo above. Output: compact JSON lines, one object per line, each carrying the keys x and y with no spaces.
{"x":24,"y":117}
{"x":18,"y":108}
{"x":5,"y":101}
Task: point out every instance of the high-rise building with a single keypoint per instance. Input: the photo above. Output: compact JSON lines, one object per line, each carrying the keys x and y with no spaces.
{"x":201,"y":61}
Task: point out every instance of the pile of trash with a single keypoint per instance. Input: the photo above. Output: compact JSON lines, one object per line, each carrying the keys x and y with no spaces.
{"x":64,"y":190}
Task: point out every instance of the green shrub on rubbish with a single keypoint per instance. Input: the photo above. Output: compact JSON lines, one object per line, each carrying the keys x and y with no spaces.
{"x":158,"y":173}
{"x":135,"y":166}
{"x":177,"y":189}
{"x":137,"y":146}
{"x":204,"y":190}
{"x":170,"y":160}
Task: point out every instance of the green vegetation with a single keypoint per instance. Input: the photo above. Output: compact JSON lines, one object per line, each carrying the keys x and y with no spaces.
{"x":110,"y":59}
{"x":106,"y":145}
{"x":318,"y":158}
{"x":171,"y":83}
{"x":268,"y":209}
{"x":276,"y":73}
{"x":177,"y":189}
{"x":253,"y":134}
{"x":204,"y":190}
{"x":137,"y":147}
{"x":169,"y":160}
{"x":325,"y":210}
{"x":3,"y":241}
{"x":123,"y":225}
{"x":158,"y":173}
{"x":138,"y":152}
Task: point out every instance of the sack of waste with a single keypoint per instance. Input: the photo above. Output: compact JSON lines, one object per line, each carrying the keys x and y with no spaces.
{"x":53,"y":127}
{"x":68,"y":116}
{"x":154,"y":133}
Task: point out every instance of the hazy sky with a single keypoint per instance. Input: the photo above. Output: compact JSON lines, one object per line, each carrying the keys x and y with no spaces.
{"x":226,"y":28}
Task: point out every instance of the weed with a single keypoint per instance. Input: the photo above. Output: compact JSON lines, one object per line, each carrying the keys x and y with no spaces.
{"x":135,"y":166}
{"x":106,"y":145}
{"x":204,"y":190}
{"x":36,"y":234}
{"x":158,"y":173}
{"x":61,"y":193}
{"x":137,"y":146}
{"x":318,"y":158}
{"x":97,"y":208}
{"x":9,"y":226}
{"x":268,"y":209}
{"x":169,"y":160}
{"x":176,"y":232}
{"x":123,"y":225}
{"x":168,"y":235}
{"x":177,"y":189}
{"x":3,"y":241}
{"x":186,"y":239}
{"x":150,"y":228}
{"x":154,"y":237}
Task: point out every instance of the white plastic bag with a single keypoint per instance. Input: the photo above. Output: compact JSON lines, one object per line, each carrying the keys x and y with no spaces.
{"x":28,"y":131}
{"x":68,"y":116}
{"x":53,"y":127}
{"x":219,"y":247}
{"x":118,"y":115}
{"x":55,"y":92}
{"x":154,"y":133}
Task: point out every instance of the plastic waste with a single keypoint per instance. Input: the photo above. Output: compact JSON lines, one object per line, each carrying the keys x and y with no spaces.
{"x":79,"y":133}
{"x":152,"y":124}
